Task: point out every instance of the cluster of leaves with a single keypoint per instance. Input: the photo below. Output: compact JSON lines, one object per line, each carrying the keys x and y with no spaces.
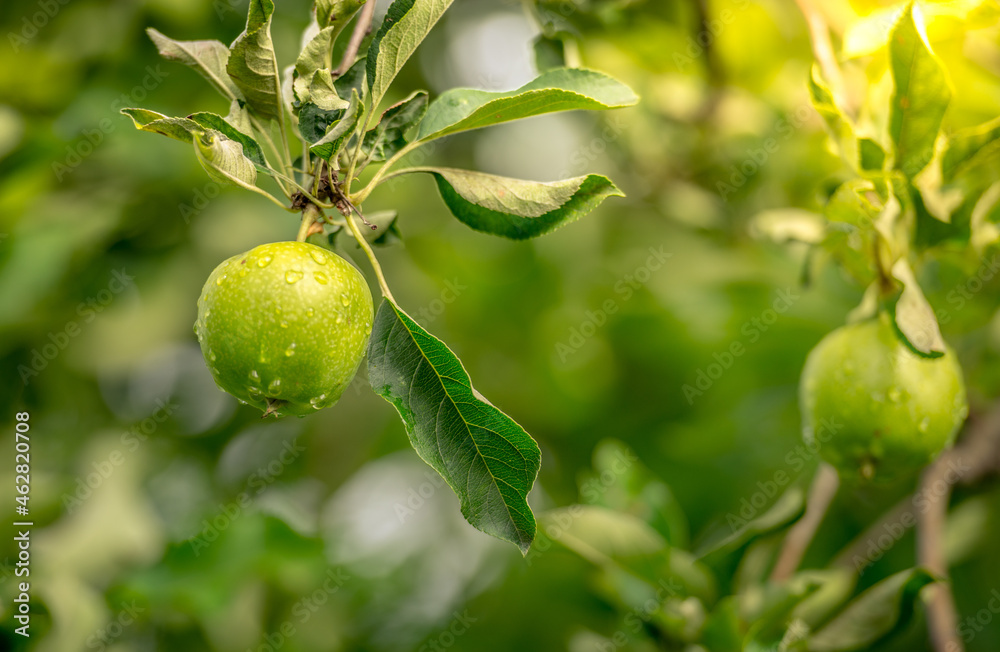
{"x":917,"y":190}
{"x":717,"y":594}
{"x":329,"y":106}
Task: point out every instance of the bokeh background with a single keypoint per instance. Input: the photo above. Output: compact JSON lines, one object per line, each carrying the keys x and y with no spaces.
{"x":170,"y":518}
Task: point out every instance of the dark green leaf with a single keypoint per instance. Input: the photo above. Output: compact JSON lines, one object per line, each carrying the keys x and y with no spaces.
{"x":252,"y":65}
{"x":251,"y":149}
{"x":873,"y":615}
{"x":519,"y":209}
{"x":565,"y":89}
{"x":389,"y":136}
{"x":209,"y":58}
{"x":341,"y":131}
{"x":921,"y":93}
{"x":484,"y":456}
{"x":406,"y":24}
{"x":354,"y":79}
{"x":914,"y":317}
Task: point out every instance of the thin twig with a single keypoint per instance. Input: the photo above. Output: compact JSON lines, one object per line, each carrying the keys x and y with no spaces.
{"x":821,"y":494}
{"x":361,"y":29}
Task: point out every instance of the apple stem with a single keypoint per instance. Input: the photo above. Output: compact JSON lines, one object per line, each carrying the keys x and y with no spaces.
{"x":363,"y":243}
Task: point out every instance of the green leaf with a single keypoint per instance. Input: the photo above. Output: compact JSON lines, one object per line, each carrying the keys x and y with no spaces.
{"x":389,"y":136}
{"x":484,"y":456}
{"x":354,"y":79}
{"x":252,"y":65}
{"x":601,"y":535}
{"x":873,"y":615}
{"x":914,"y":317}
{"x":209,"y":58}
{"x":406,"y":24}
{"x":335,"y":14}
{"x":315,"y":55}
{"x":182,"y":129}
{"x":239,"y":117}
{"x":971,"y":148}
{"x":323,"y":93}
{"x":519,"y":209}
{"x":314,"y":121}
{"x":835,"y":588}
{"x":920,"y":96}
{"x":251,"y":149}
{"x":565,"y":89}
{"x":341,"y":131}
{"x":223,"y":159}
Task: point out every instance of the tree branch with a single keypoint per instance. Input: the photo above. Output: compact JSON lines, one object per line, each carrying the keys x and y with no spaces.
{"x":821,"y":494}
{"x":361,"y":29}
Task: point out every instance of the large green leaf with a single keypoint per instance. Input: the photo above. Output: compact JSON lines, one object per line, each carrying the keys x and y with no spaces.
{"x":519,"y":209}
{"x":872,"y":615}
{"x":920,"y":96}
{"x":252,"y":65}
{"x":340,"y":131}
{"x":209,"y":58}
{"x":406,"y":24}
{"x":251,"y":148}
{"x":565,"y":89}
{"x":389,"y":136}
{"x":484,"y":456}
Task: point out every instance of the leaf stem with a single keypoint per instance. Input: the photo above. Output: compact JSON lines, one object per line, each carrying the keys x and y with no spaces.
{"x":380,"y":175}
{"x":363,"y":243}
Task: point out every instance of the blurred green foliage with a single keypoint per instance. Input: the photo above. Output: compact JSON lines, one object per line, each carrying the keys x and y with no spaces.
{"x":167,"y":517}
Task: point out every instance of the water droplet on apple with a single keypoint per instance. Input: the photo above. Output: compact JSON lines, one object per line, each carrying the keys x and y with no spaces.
{"x":321,"y":278}
{"x":293,"y":276}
